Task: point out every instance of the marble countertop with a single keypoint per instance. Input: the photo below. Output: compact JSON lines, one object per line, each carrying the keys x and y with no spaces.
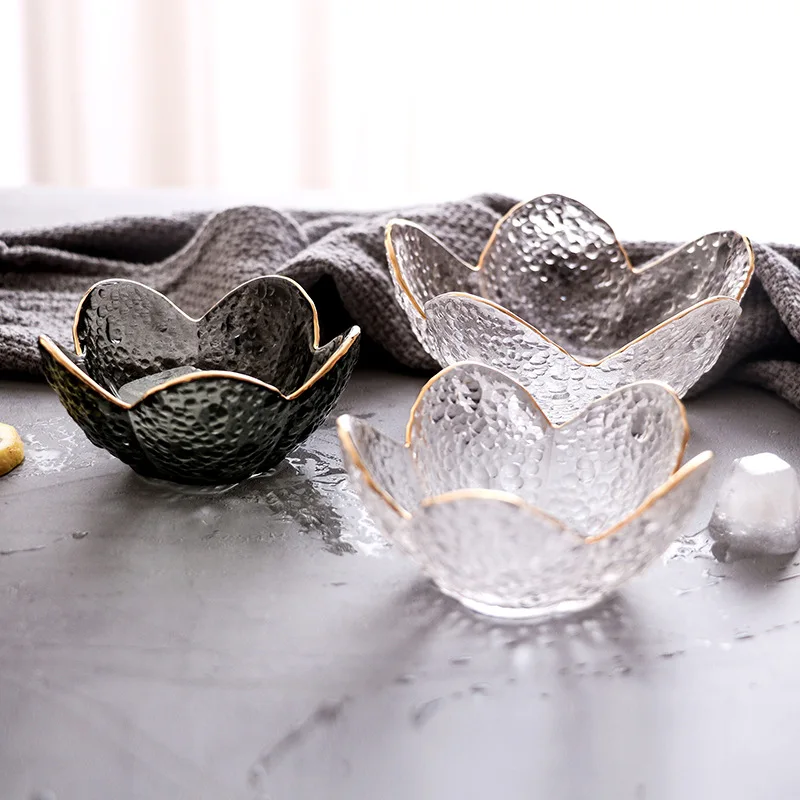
{"x":160,"y":642}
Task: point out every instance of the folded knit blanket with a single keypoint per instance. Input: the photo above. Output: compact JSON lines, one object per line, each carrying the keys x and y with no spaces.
{"x":196,"y":258}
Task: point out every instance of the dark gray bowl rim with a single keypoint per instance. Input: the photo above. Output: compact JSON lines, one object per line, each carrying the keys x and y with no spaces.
{"x":348,"y":340}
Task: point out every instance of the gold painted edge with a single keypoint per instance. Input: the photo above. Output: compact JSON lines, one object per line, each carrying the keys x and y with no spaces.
{"x":667,"y":389}
{"x":491,"y":303}
{"x":555,"y":426}
{"x":745,"y":278}
{"x":235,"y":290}
{"x":517,"y":206}
{"x":53,"y":350}
{"x":751,"y":271}
{"x":350,"y":338}
{"x":684,"y":312}
{"x":344,"y":430}
{"x":723,"y":298}
{"x":494,"y":495}
{"x":457,"y":366}
{"x":343,"y":425}
{"x":678,"y":477}
{"x":401,"y":282}
{"x":394,"y":263}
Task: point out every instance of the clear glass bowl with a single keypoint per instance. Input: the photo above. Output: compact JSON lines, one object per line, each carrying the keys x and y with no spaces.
{"x":555,"y":302}
{"x":517,"y":517}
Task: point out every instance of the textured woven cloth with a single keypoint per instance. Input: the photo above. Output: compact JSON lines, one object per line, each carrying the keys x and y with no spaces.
{"x":339,"y":257}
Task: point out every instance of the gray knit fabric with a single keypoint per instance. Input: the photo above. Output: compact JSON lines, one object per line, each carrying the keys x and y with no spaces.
{"x":340,"y":258}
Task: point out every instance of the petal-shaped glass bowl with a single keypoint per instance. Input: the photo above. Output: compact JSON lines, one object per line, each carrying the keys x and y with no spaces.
{"x":211,"y":400}
{"x":517,"y":517}
{"x":555,"y":302}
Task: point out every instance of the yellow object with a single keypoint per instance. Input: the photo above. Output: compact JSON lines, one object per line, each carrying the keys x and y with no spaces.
{"x":12,"y":451}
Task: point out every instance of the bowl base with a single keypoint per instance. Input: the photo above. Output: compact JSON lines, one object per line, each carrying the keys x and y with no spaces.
{"x":528,"y":613}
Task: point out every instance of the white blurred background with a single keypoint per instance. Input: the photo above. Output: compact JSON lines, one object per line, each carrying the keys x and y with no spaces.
{"x":670,"y":119}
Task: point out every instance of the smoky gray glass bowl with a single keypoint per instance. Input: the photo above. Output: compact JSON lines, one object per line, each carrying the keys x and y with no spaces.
{"x":206,"y":401}
{"x":555,"y":302}
{"x":516,"y":517}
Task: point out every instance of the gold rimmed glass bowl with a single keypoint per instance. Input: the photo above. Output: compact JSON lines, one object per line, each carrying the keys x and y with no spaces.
{"x":515,"y":516}
{"x":555,"y":302}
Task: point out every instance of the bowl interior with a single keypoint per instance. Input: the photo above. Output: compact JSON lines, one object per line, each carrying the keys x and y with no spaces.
{"x":133,"y":338}
{"x":591,"y":302}
{"x":475,"y":428}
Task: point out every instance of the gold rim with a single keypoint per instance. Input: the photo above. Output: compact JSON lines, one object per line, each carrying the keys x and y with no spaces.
{"x":665,"y":488}
{"x":507,"y":497}
{"x":513,"y":210}
{"x":494,"y":495}
{"x":674,"y":318}
{"x":344,"y":429}
{"x":635,"y":270}
{"x":46,"y":343}
{"x":751,"y":261}
{"x":294,"y":283}
{"x":349,"y":340}
{"x":395,"y":264}
{"x":56,"y":353}
{"x":401,"y":281}
{"x":555,"y":426}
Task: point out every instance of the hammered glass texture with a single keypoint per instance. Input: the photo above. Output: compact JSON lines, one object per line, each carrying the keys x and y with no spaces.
{"x":494,"y":553}
{"x":624,"y":552}
{"x":390,"y":465}
{"x":500,"y":507}
{"x":264,"y":328}
{"x":607,"y":461}
{"x":199,"y":427}
{"x":427,"y":268}
{"x":206,"y":430}
{"x":556,"y":264}
{"x":473,"y":427}
{"x":311,"y":408}
{"x":716,"y":265}
{"x":465,"y":328}
{"x":476,"y":428}
{"x":105,"y":424}
{"x":506,"y":559}
{"x":425,"y":264}
{"x":547,"y":253}
{"x":389,"y":462}
{"x":127,"y":331}
{"x":210,"y":427}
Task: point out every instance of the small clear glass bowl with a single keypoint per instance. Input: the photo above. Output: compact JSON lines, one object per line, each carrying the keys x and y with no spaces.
{"x":555,"y":302}
{"x":206,"y":401}
{"x":514,"y":516}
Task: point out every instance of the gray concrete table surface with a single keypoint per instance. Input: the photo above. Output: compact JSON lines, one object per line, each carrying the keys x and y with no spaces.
{"x":159,"y":642}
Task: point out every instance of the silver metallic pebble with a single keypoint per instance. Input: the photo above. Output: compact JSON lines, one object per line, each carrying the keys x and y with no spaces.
{"x":758,"y":508}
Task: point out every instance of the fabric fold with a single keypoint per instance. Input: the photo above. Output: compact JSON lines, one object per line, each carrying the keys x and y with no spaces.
{"x":195,"y":258}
